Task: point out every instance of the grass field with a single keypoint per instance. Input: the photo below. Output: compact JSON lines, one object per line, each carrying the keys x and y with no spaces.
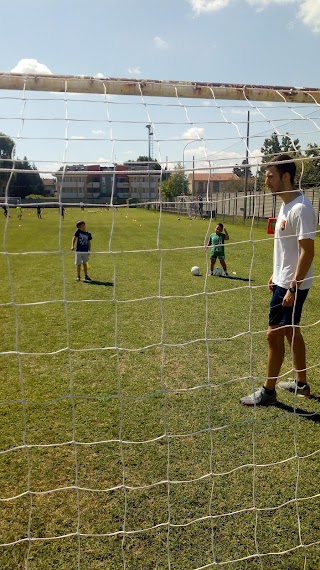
{"x":123,"y":443}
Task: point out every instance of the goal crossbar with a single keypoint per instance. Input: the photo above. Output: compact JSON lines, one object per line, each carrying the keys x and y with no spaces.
{"x":157,"y":88}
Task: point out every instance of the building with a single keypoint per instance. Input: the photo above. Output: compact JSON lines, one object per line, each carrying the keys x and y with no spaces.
{"x":144,"y":181}
{"x":204,"y":182}
{"x":136,"y":181}
{"x":49,"y":186}
{"x":71,"y":183}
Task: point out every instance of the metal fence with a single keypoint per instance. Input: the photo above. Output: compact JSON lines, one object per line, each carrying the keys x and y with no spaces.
{"x":237,"y":205}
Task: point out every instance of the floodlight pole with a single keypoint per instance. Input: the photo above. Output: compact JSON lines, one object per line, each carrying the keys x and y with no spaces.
{"x":246,"y":171}
{"x":150,"y":134}
{"x":184,"y":148}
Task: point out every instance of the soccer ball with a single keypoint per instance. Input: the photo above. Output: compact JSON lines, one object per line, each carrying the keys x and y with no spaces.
{"x":217,"y":272}
{"x":195,"y":270}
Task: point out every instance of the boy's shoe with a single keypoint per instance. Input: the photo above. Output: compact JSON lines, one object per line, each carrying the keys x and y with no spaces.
{"x":211,"y":273}
{"x":293,"y":387}
{"x":77,"y":278}
{"x":87,"y":278}
{"x":259,"y":398}
{"x":225,"y":274}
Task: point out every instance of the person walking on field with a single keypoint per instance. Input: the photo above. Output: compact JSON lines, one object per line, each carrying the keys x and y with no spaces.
{"x":290,"y":282}
{"x":19,"y":212}
{"x":216,"y":241}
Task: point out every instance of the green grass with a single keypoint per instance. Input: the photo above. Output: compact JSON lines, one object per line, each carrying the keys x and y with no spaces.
{"x":122,"y":367}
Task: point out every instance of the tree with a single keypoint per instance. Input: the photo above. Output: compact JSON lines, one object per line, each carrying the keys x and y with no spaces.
{"x":176,"y":184}
{"x":240,"y":171}
{"x":290,"y":146}
{"x":154,"y":164}
{"x":272,"y":146}
{"x":6,"y":154}
{"x":24,"y":183}
{"x":311,"y":168}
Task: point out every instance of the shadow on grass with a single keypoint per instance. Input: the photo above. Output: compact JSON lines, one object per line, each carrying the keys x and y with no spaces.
{"x":313,"y":416}
{"x":104,"y":283}
{"x":236,"y":278}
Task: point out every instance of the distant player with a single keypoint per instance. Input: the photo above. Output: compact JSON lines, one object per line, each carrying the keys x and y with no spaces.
{"x":216,"y":241}
{"x":19,"y":212}
{"x":81,"y":242}
{"x":5,"y":211}
{"x":62,"y":209}
{"x":39,"y":212}
{"x":81,"y":206}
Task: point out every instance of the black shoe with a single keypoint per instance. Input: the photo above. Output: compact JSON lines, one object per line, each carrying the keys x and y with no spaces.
{"x":87,"y":278}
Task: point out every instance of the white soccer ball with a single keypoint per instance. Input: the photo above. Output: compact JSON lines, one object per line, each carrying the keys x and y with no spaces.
{"x":195,"y":270}
{"x":217,"y":272}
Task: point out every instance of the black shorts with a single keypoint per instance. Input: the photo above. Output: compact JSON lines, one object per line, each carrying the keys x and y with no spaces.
{"x":280,"y":315}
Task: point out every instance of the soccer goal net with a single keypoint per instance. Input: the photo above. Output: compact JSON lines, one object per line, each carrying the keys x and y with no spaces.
{"x":123,"y":443}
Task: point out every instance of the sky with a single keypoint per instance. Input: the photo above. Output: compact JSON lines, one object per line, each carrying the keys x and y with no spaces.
{"x":261,"y":42}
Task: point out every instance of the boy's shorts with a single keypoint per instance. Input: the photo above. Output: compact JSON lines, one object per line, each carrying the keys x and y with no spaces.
{"x":81,"y":257}
{"x":280,"y":315}
{"x":217,"y":256}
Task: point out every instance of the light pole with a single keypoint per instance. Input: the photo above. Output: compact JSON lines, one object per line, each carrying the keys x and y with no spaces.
{"x":150,"y":134}
{"x":184,"y":148}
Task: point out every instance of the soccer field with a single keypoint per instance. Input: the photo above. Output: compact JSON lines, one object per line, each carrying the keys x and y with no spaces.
{"x":124,"y":445}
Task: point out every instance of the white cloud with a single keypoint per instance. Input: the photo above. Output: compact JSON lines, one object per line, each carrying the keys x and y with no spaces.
{"x":309,"y":12}
{"x":31,"y":66}
{"x":265,"y":3}
{"x":97,"y":132}
{"x":135,"y":71}
{"x":99,"y":76}
{"x":193,"y":133}
{"x":200,"y":6}
{"x":160,"y":43}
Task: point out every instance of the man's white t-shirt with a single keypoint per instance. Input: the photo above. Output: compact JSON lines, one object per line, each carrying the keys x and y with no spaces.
{"x":296,"y":221}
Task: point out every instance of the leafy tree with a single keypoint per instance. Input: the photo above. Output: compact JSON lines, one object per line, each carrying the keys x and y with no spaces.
{"x":290,"y":146}
{"x":240,"y":171}
{"x":6,"y":153}
{"x":311,"y":168}
{"x":25,"y":183}
{"x":176,"y":184}
{"x":272,"y":146}
{"x":154,"y":164}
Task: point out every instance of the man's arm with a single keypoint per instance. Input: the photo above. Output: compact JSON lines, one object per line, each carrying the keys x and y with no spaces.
{"x":73,"y":243}
{"x":226,"y":235}
{"x":306,"y":255}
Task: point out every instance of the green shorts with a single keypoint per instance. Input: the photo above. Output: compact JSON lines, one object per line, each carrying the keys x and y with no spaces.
{"x":216,"y":255}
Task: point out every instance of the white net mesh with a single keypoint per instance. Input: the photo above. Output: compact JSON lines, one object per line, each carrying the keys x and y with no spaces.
{"x":123,"y":441}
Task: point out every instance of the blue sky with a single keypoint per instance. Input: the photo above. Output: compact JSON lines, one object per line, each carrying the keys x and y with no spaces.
{"x":270,"y":42}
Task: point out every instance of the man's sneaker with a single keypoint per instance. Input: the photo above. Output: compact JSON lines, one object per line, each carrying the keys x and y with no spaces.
{"x":77,"y":278}
{"x":293,"y":387}
{"x":259,"y":398}
{"x":87,"y":278}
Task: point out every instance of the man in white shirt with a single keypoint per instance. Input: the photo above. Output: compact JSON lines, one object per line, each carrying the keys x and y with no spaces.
{"x":289,"y":283}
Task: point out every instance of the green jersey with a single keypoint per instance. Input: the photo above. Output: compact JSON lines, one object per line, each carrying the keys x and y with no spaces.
{"x":217,"y":241}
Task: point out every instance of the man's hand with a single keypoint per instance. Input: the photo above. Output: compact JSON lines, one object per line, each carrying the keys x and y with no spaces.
{"x":270,"y":284}
{"x":288,"y":299}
